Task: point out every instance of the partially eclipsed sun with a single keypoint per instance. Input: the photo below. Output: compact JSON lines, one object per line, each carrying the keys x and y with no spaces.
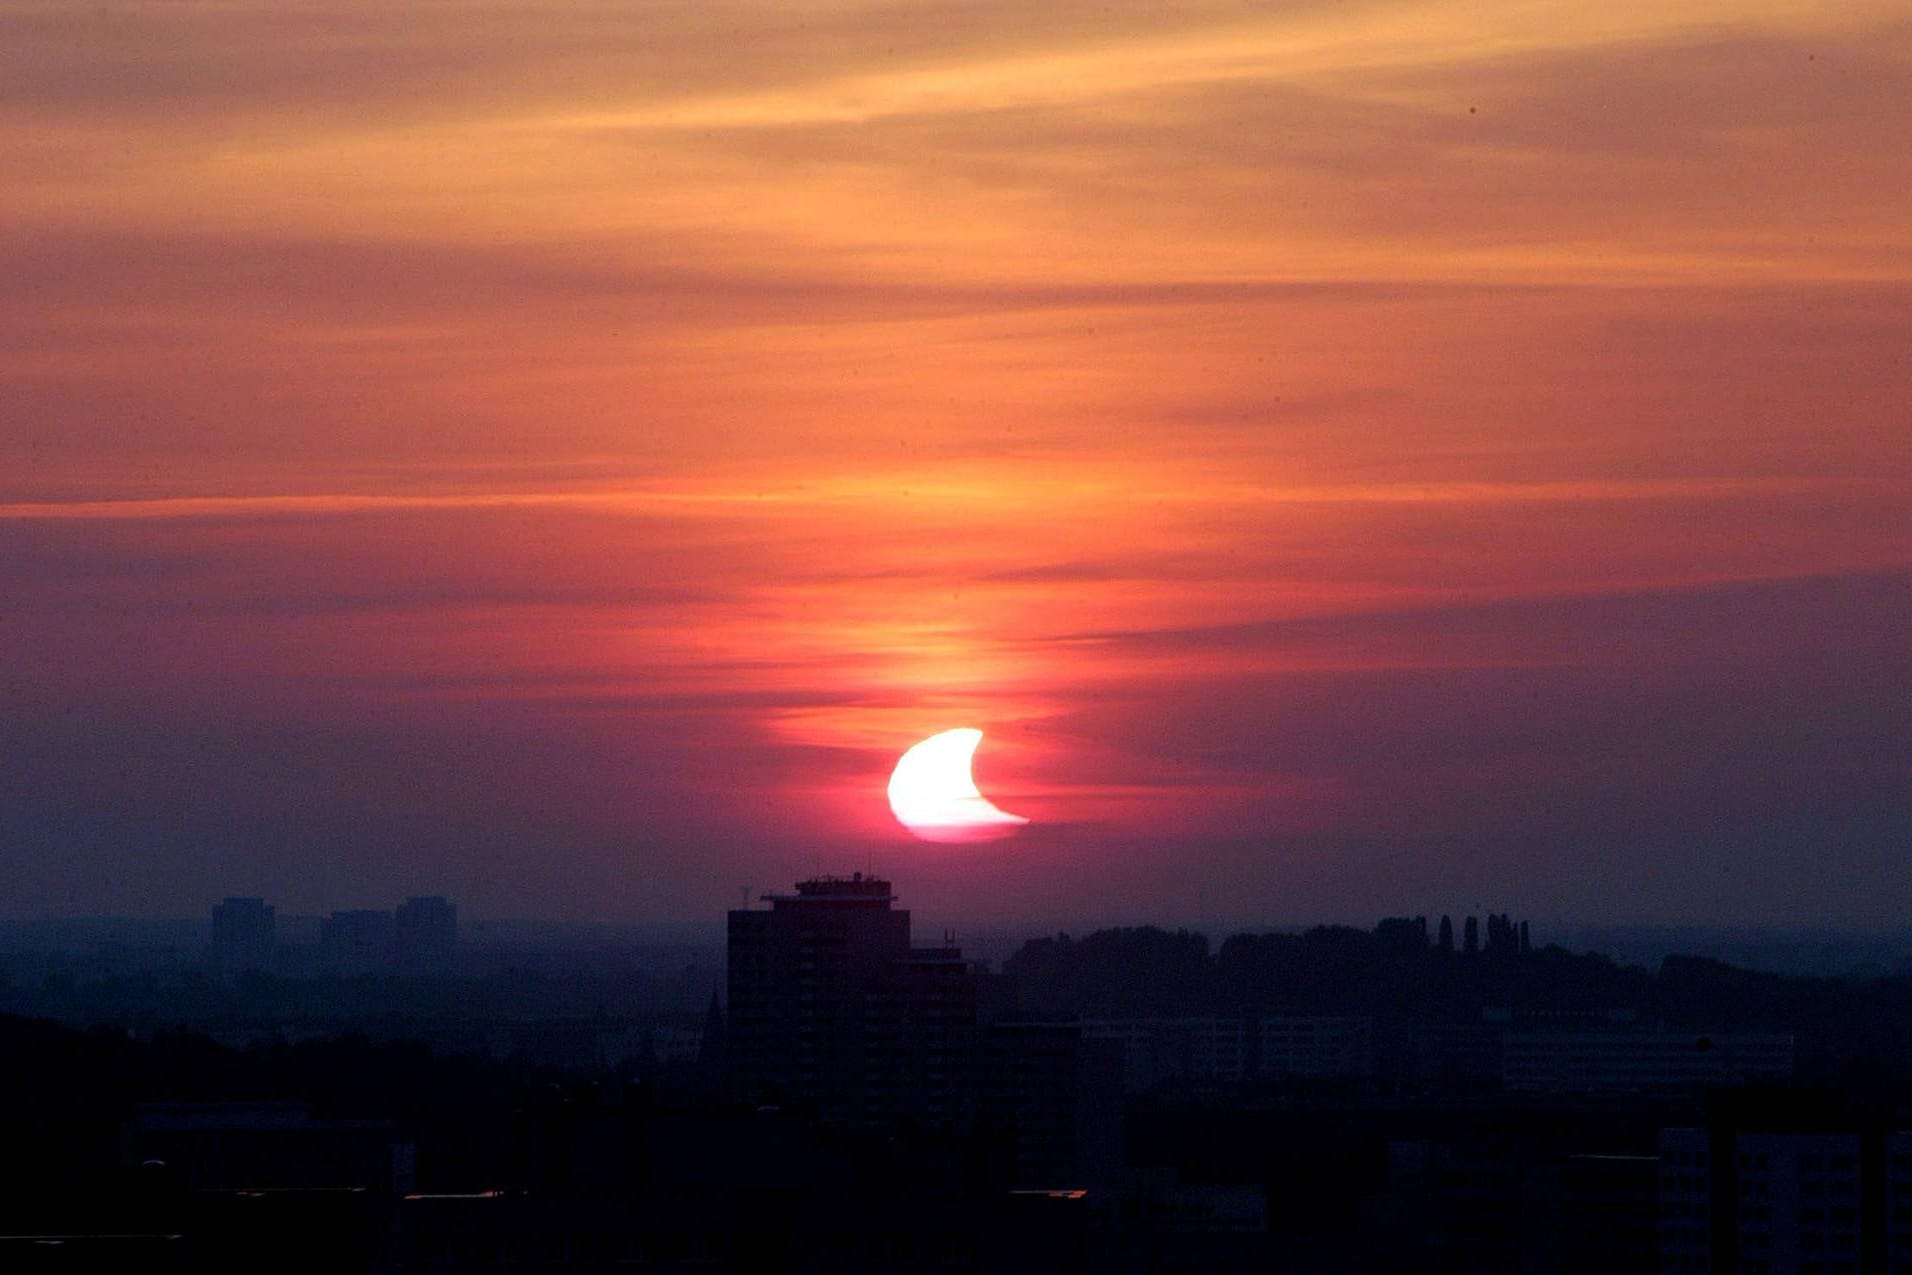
{"x":933,"y":795}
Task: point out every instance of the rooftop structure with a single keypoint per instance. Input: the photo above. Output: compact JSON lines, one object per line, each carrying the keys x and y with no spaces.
{"x":855,"y":888}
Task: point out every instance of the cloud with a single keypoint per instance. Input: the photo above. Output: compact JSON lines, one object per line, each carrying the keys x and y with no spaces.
{"x":1780,"y":620}
{"x":1301,"y":431}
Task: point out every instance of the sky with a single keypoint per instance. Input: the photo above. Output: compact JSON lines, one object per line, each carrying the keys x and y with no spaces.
{"x":1349,"y":458}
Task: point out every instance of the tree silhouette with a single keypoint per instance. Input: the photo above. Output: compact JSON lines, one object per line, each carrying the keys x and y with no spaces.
{"x":1401,"y":934}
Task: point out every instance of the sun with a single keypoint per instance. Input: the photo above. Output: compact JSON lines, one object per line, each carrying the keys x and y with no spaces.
{"x":933,"y":794}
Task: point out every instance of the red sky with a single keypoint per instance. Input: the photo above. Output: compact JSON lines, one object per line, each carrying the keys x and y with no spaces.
{"x":1350,"y":458}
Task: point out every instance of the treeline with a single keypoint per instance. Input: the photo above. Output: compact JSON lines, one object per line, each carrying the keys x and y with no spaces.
{"x":1401,"y":965}
{"x":1847,"y":1029}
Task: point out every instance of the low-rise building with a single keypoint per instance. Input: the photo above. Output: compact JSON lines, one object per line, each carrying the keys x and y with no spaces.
{"x":1640,"y":1061}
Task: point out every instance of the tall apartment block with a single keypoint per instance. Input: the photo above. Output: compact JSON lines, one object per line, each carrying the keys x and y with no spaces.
{"x":831,"y":1005}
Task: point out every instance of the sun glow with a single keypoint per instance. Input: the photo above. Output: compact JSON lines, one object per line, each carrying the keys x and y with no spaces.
{"x":933,"y":794}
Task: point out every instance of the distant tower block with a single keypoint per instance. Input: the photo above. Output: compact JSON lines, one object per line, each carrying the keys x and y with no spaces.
{"x":243,"y":934}
{"x":427,"y":933}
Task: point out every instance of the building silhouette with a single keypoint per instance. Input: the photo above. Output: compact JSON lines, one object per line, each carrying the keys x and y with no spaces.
{"x":834,"y":1010}
{"x":831,"y":1006}
{"x":243,"y":934}
{"x":251,"y":1185}
{"x":1777,"y":1180}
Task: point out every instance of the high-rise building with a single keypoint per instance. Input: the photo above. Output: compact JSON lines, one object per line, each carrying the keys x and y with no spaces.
{"x":831,"y":1005}
{"x":243,"y":933}
{"x":426,"y":930}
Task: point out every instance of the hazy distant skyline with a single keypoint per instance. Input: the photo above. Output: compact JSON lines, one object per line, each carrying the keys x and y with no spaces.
{"x":1350,"y":459}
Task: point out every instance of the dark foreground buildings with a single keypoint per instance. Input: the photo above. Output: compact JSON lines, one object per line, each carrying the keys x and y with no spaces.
{"x":1330,"y":1102}
{"x":833,"y":1009}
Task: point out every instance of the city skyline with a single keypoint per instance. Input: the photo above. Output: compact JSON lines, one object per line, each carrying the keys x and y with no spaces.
{"x":1348,"y":460}
{"x":848,"y":1092}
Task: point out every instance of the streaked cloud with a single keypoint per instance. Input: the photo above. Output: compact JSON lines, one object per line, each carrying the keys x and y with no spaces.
{"x":622,"y":429}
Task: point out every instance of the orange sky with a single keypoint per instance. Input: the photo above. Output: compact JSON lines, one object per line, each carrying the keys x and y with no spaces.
{"x":1374,"y":457}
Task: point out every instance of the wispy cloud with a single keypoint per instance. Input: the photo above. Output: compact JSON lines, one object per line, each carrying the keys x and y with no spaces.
{"x":1328,"y":419}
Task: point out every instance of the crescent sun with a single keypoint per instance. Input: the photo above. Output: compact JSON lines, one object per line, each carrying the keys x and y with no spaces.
{"x":933,"y":794}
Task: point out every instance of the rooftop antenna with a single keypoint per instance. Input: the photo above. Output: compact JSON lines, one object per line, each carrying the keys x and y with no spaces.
{"x":744,"y":904}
